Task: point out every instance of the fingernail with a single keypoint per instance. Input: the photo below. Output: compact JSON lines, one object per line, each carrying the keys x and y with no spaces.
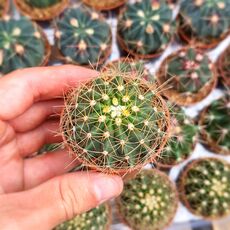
{"x":107,"y":187}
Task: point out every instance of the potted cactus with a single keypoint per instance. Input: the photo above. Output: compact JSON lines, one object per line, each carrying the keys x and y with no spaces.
{"x":115,"y":123}
{"x":223,"y":65}
{"x":83,"y":37}
{"x":204,"y":187}
{"x":22,"y":44}
{"x":215,"y":125}
{"x":203,"y":22}
{"x":98,"y":218}
{"x":41,"y":10}
{"x":148,"y":202}
{"x":188,"y":75}
{"x":104,"y":4}
{"x":4,"y":6}
{"x":145,"y":28}
{"x":182,"y":140}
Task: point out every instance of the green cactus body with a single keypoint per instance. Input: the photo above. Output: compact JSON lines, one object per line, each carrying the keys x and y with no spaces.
{"x":83,"y":36}
{"x":188,"y":74}
{"x":205,"y":187}
{"x":145,"y":28}
{"x":116,"y":122}
{"x":96,"y":219}
{"x":215,"y":125}
{"x":148,"y":202}
{"x":205,"y":20}
{"x":182,"y":140}
{"x":42,"y":3}
{"x":21,"y":45}
{"x":49,"y":148}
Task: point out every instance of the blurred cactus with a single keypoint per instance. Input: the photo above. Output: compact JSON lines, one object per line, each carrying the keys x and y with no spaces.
{"x":42,"y":3}
{"x":204,"y":186}
{"x":148,"y":202}
{"x":83,"y":36}
{"x":104,"y":4}
{"x":145,"y":28}
{"x":22,"y":44}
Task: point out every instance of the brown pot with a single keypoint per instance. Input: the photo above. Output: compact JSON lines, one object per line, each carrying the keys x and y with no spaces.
{"x":39,"y":14}
{"x":6,"y":6}
{"x":184,"y":99}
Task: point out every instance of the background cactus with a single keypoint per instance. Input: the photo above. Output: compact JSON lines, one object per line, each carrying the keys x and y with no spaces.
{"x":182,"y":139}
{"x":204,"y":186}
{"x":145,"y":28}
{"x":98,"y":218}
{"x":104,"y":4}
{"x":4,"y":4}
{"x":189,"y":76}
{"x":42,"y":3}
{"x":115,"y":123}
{"x":83,"y":36}
{"x":22,"y":44}
{"x":215,"y":125}
{"x":148,"y":202}
{"x":204,"y":21}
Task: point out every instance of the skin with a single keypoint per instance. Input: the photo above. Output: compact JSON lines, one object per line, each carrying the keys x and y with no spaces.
{"x":36,"y":192}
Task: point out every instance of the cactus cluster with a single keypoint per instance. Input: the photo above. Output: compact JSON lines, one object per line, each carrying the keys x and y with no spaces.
{"x":204,"y":186}
{"x":145,"y":28}
{"x":83,"y":36}
{"x":148,"y":202}
{"x":215,"y":125}
{"x":104,"y":4}
{"x":22,"y":44}
{"x":182,"y":139}
{"x":98,"y":218}
{"x":188,"y":76}
{"x":116,"y":122}
{"x":3,"y":7}
{"x":205,"y":21}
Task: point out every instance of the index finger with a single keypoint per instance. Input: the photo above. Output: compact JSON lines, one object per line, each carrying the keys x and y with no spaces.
{"x":20,"y":89}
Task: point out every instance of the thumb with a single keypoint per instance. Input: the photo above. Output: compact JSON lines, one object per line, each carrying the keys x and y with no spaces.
{"x":57,"y":200}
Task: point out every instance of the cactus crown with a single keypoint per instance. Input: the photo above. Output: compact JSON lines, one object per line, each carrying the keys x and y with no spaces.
{"x":21,"y":45}
{"x":205,"y":186}
{"x":95,"y":219}
{"x":182,"y":139}
{"x":217,"y":124}
{"x":205,"y":19}
{"x":149,"y":201}
{"x":188,"y":71}
{"x":115,"y":122}
{"x":146,"y":27}
{"x":42,"y":3}
{"x":83,"y":36}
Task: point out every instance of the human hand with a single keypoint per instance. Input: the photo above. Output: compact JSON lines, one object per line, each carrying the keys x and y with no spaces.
{"x":34,"y":192}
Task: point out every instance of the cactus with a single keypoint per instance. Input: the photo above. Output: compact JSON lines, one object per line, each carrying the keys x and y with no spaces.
{"x":104,"y":4}
{"x":116,"y":122}
{"x":223,"y":64}
{"x":182,"y":140}
{"x":215,"y":125}
{"x":98,"y":218}
{"x":49,"y":148}
{"x":145,"y":28}
{"x":22,"y":44}
{"x":204,"y":186}
{"x":4,"y":4}
{"x":189,"y":75}
{"x":42,"y":3}
{"x":83,"y":37}
{"x":204,"y":21}
{"x":148,"y":202}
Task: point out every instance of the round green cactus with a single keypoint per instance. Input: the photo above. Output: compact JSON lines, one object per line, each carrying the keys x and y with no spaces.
{"x":148,"y":202}
{"x":116,"y":122}
{"x":215,"y":125}
{"x":83,"y":36}
{"x":204,"y":186}
{"x":98,"y":218}
{"x":189,"y":76}
{"x":42,"y":3}
{"x":204,"y":20}
{"x":22,"y":44}
{"x":182,"y":140}
{"x":104,"y":4}
{"x":145,"y":28}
